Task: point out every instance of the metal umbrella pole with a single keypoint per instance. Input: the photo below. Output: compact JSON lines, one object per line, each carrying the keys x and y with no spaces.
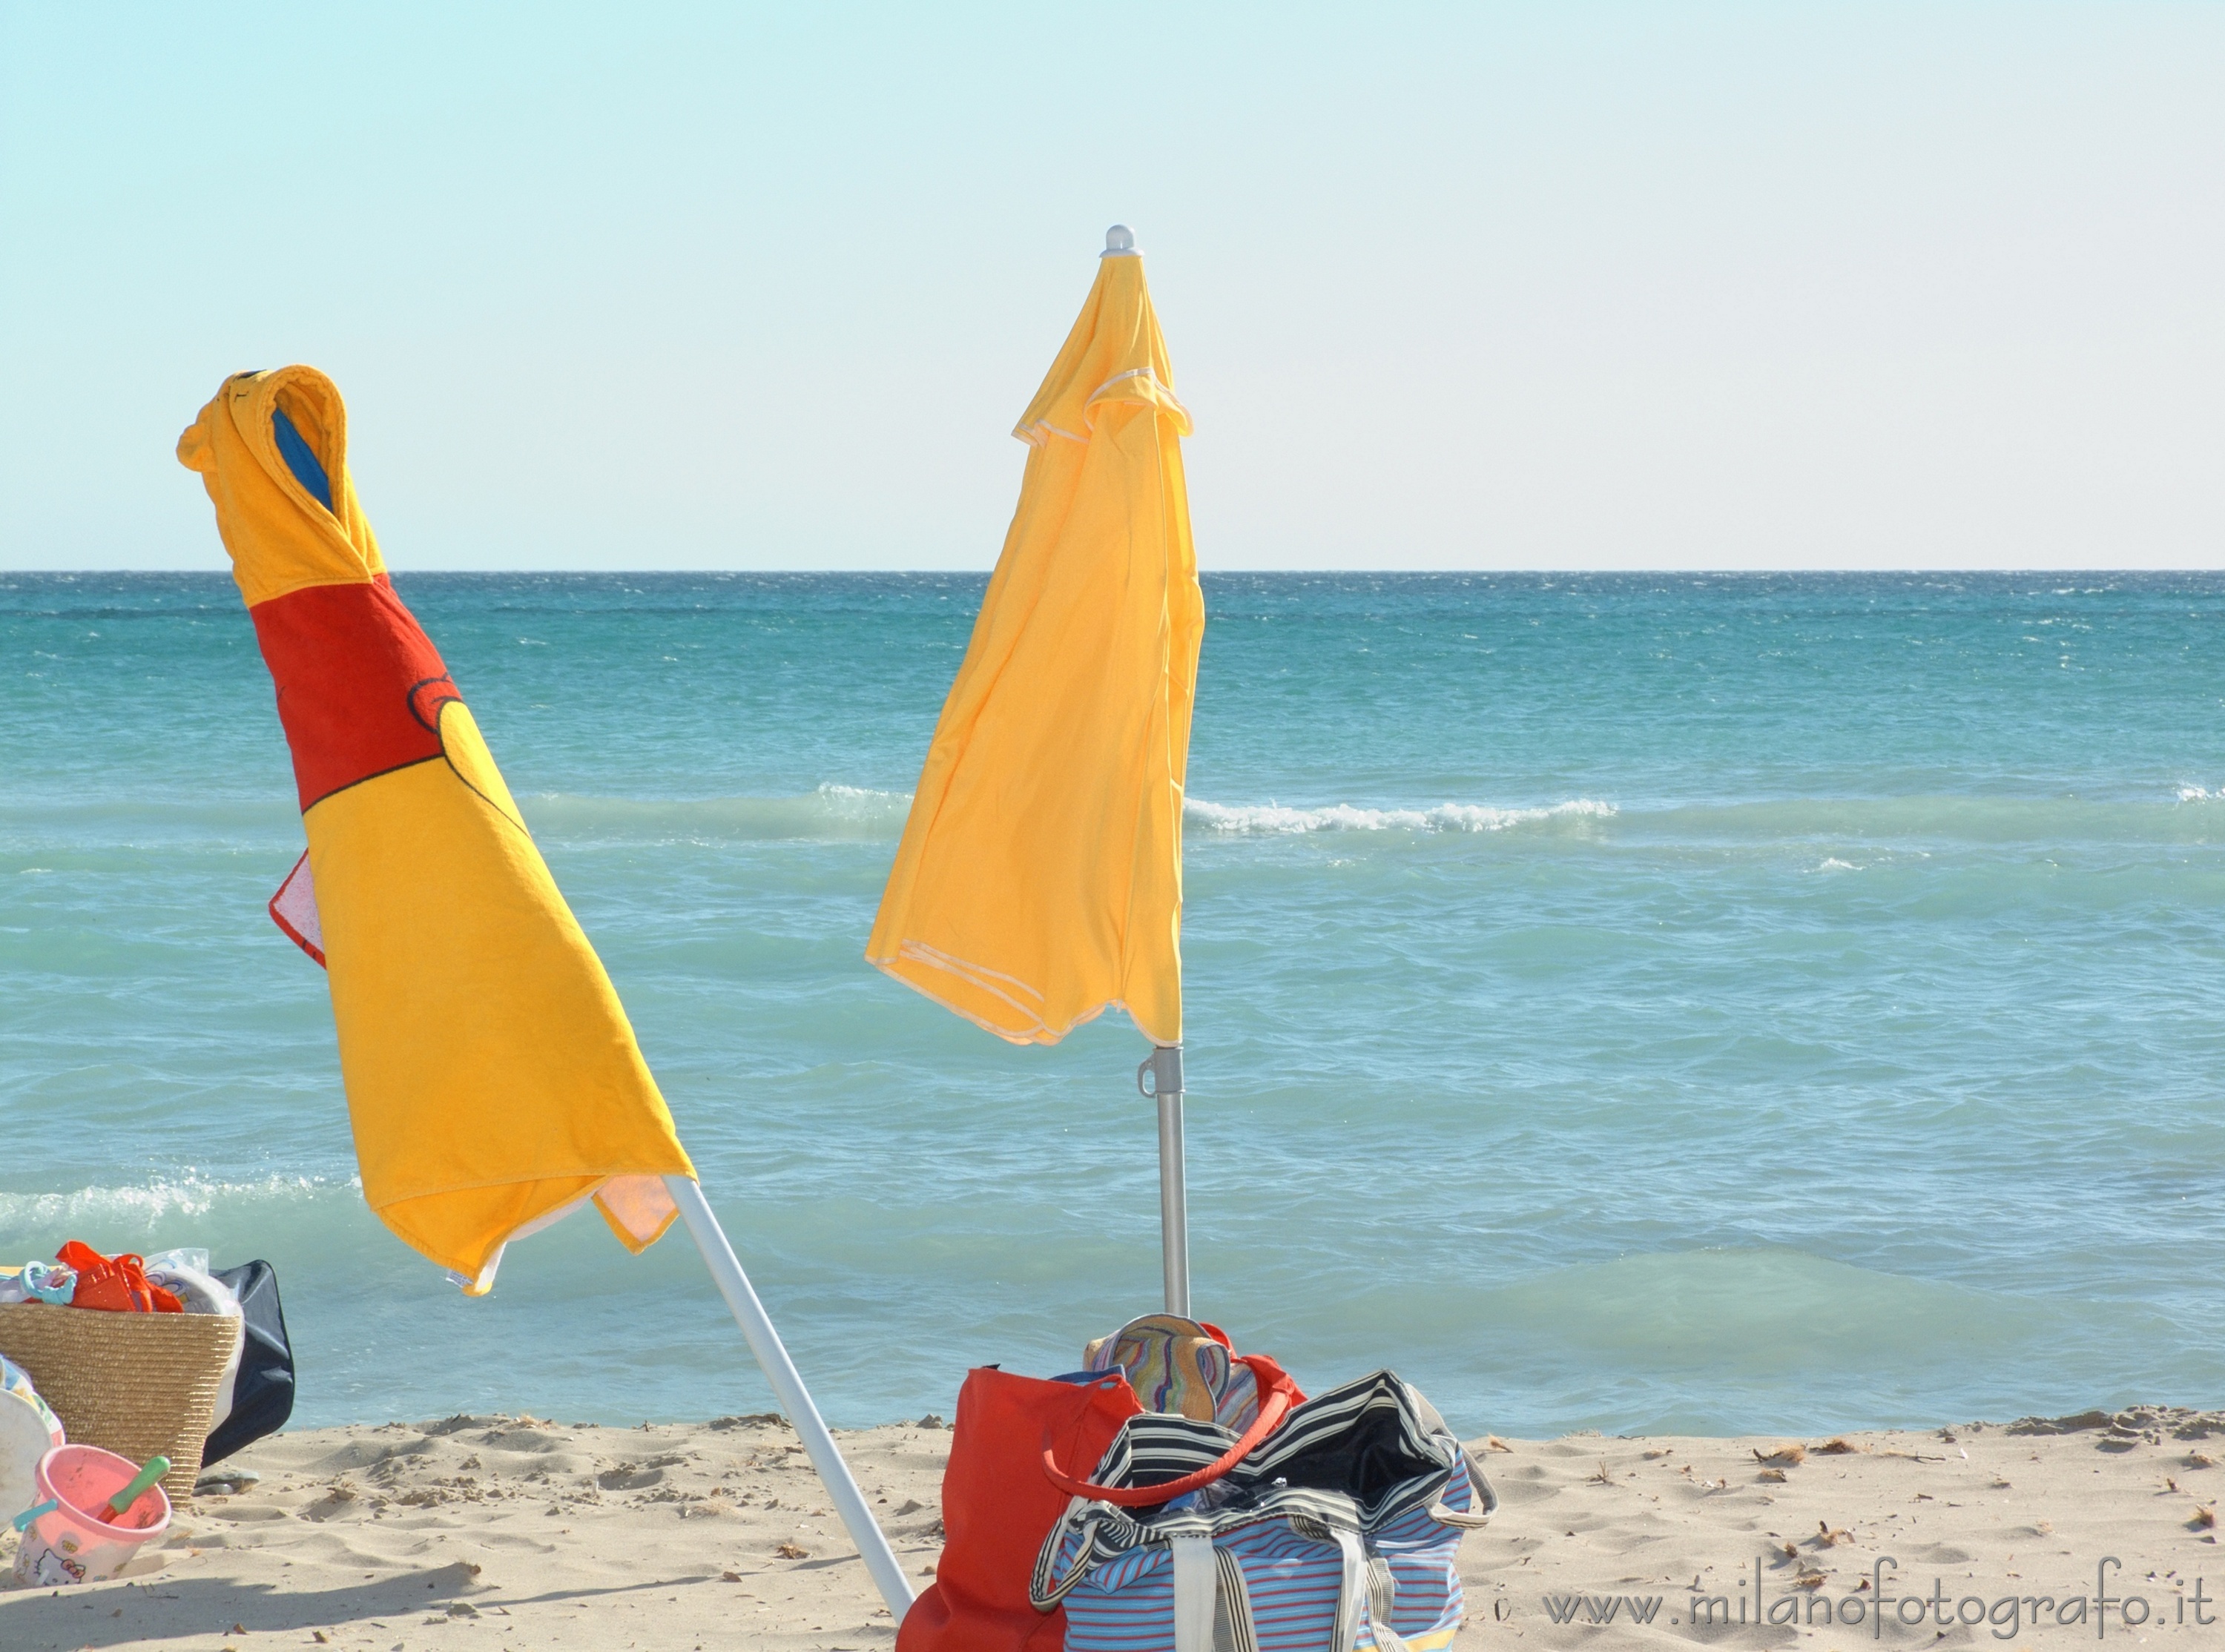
{"x":788,"y":1387}
{"x":1164,"y":1067}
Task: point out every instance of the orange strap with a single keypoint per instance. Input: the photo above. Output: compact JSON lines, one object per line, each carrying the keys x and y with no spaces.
{"x":1271,"y":1408}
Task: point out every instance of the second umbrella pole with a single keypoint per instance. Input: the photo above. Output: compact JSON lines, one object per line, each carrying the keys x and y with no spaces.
{"x":1165,"y":1068}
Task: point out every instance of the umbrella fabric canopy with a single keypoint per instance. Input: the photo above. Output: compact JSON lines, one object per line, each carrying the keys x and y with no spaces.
{"x":1039,"y":880}
{"x":492,"y":1078}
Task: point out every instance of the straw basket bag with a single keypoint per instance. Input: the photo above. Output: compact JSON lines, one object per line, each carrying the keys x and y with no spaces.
{"x":138,"y":1384}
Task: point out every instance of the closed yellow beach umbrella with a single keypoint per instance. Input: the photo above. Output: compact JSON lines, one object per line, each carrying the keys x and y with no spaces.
{"x":492,"y":1078}
{"x":1039,"y":880}
{"x":493,"y":1081}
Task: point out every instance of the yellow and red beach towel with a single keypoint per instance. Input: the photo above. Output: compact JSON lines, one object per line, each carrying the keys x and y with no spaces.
{"x":493,"y":1080}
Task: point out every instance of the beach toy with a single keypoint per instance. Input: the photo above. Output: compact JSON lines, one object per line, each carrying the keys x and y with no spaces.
{"x":22,"y":1521}
{"x":39,"y":1281}
{"x":115,"y":1284}
{"x":120,"y":1504}
{"x":73,"y":1543}
{"x":55,"y":1282}
{"x":28,"y":1430}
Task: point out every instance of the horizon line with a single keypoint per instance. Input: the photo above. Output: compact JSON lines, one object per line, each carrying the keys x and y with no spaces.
{"x":980,"y":573}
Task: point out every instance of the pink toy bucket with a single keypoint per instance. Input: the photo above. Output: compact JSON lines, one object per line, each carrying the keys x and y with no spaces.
{"x":70,"y":1544}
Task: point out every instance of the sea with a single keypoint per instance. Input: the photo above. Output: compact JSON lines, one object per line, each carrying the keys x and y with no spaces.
{"x":1641,"y":1002}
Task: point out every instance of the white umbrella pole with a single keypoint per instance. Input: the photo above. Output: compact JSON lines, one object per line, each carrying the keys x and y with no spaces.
{"x":1165,"y":1067}
{"x":788,"y":1387}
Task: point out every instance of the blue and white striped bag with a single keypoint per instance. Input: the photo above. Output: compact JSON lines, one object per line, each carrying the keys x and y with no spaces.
{"x":1337,"y":1533}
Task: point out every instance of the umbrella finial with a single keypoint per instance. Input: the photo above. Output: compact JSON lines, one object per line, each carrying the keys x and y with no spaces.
{"x":1120,"y":242}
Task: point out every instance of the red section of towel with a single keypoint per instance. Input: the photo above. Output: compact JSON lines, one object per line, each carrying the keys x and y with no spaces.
{"x":359,"y":684}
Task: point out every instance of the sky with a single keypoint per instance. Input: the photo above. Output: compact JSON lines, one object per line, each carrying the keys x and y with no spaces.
{"x":1493,"y":286}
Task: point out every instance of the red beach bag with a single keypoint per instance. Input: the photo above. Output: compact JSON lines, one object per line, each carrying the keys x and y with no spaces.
{"x":997,"y":1507}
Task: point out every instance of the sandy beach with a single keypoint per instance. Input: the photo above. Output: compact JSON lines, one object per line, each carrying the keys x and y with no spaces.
{"x":513,"y":1533}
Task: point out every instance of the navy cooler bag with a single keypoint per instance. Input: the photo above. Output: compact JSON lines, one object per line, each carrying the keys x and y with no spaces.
{"x":262,"y":1393}
{"x":1339,"y":1532}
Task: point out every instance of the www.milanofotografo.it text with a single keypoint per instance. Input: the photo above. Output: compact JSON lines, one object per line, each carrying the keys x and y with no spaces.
{"x":1882,"y":1602}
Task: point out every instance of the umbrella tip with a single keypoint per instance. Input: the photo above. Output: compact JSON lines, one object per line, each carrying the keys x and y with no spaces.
{"x":1120,"y":243}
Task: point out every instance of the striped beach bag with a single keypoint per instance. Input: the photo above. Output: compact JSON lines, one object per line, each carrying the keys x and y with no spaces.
{"x":1338,"y":1532}
{"x":1004,"y":1486}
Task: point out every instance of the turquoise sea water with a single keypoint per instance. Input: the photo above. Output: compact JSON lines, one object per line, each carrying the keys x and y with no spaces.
{"x":1648,"y":1002}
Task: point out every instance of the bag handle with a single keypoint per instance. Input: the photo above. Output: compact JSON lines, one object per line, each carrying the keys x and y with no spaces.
{"x":1271,"y":1410}
{"x":1482,"y":1501}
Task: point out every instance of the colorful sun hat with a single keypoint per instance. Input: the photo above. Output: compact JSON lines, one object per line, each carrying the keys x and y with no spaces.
{"x":28,"y":1430}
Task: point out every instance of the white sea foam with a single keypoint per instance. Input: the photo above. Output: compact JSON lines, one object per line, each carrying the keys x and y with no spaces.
{"x":134,"y":1208}
{"x":2199,"y":794}
{"x":833,"y":810}
{"x":1276,"y":819}
{"x":861,"y":800}
{"x":830,"y":811}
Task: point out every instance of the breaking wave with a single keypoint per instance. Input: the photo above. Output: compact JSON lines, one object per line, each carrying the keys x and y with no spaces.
{"x":135,"y":1209}
{"x":830,"y":811}
{"x":1275,"y":819}
{"x":836,"y":812}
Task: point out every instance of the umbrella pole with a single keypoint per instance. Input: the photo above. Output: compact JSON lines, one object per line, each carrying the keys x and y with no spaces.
{"x":788,"y":1387}
{"x":1165,"y":1067}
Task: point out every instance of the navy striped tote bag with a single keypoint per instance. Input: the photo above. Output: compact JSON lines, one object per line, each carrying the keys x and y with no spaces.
{"x":1338,"y":1533}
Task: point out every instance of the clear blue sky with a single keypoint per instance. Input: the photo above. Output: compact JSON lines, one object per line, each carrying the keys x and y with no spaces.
{"x":1781,"y":285}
